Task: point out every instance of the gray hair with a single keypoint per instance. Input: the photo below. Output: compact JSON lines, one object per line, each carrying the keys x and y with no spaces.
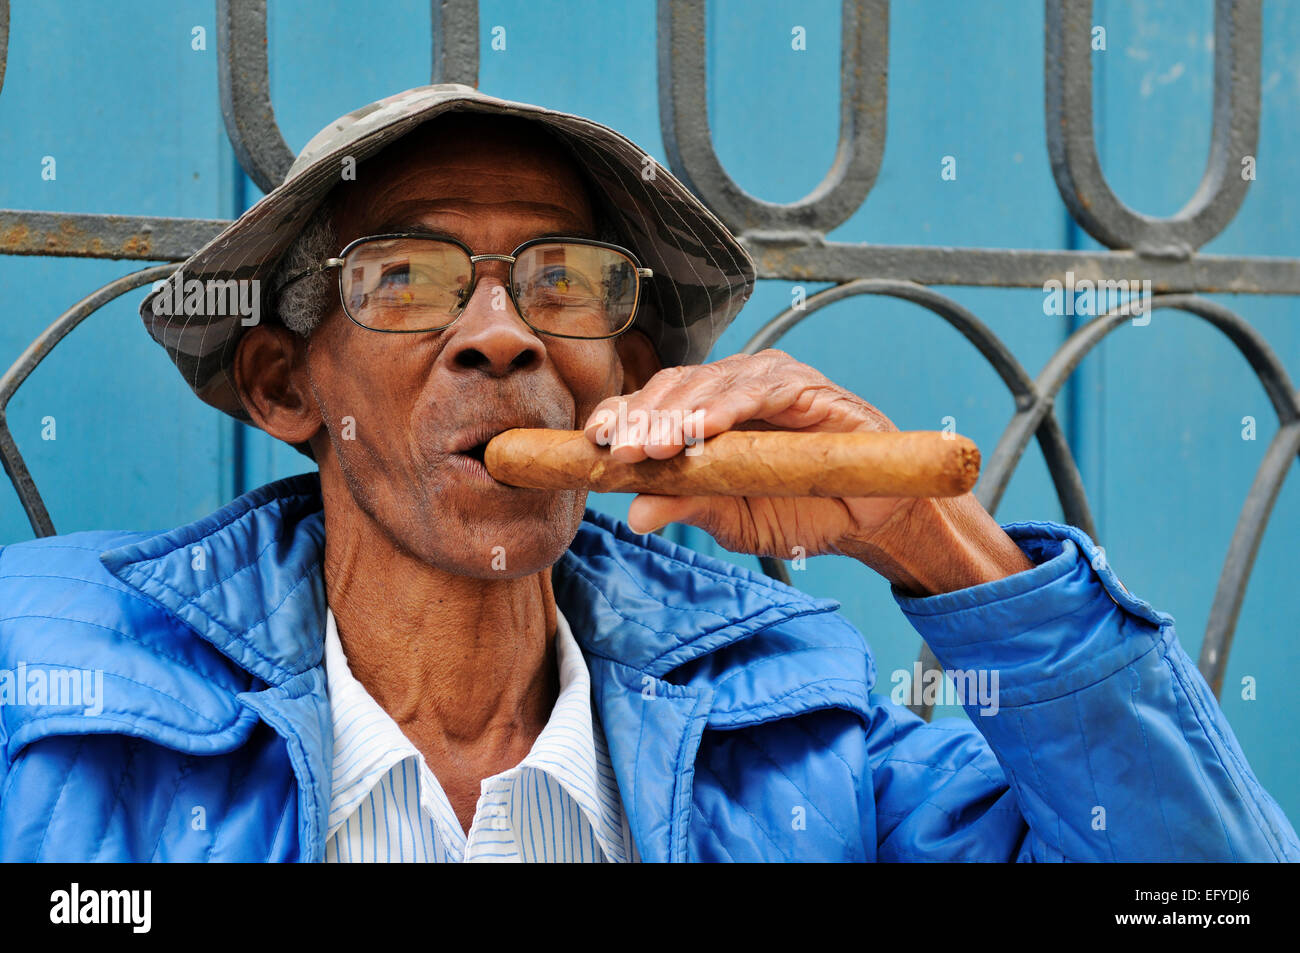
{"x":302,"y":305}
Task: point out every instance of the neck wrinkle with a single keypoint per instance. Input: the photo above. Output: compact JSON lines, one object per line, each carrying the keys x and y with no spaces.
{"x":455,"y":660}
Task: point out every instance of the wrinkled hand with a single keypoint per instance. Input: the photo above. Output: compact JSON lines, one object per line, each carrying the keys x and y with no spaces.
{"x":769,"y":391}
{"x":922,"y":545}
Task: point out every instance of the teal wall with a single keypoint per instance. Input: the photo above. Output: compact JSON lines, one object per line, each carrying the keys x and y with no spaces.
{"x":130,"y":112}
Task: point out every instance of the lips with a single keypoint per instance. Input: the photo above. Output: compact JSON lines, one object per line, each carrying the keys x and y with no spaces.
{"x":472,"y":442}
{"x":477,"y":451}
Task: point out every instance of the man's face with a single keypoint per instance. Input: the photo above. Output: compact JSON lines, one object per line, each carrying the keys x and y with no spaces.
{"x":420,"y":401}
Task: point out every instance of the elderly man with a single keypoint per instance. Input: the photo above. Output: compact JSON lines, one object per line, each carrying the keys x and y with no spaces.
{"x":403,"y":659}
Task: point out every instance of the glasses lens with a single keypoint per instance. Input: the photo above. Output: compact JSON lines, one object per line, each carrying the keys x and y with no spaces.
{"x":576,"y":290}
{"x":404,"y":284}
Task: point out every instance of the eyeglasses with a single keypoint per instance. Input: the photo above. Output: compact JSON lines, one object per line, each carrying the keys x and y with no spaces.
{"x":564,"y":287}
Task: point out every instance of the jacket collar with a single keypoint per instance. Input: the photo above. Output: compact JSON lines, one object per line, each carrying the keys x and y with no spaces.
{"x":247,"y":578}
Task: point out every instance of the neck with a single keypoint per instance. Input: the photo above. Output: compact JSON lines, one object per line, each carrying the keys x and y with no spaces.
{"x":463,"y":665}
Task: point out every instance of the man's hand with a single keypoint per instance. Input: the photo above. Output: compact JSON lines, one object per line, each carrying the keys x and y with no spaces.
{"x":924,"y":546}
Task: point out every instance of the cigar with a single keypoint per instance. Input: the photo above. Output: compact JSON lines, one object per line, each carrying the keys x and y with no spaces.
{"x":917,"y":463}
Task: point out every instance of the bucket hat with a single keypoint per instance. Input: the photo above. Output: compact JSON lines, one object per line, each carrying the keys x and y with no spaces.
{"x":702,"y":275}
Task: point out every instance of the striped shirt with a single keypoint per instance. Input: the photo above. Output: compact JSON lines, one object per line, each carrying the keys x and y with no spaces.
{"x":561,"y":803}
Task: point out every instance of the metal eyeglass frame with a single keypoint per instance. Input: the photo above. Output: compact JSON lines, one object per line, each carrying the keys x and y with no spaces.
{"x":341,"y":259}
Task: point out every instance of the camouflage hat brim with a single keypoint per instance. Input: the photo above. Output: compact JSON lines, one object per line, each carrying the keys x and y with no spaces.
{"x":702,"y":275}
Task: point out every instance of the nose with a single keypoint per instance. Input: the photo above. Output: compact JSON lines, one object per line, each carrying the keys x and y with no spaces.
{"x":490,"y":336}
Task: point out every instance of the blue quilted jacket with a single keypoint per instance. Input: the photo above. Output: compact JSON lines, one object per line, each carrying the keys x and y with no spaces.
{"x":740,"y":713}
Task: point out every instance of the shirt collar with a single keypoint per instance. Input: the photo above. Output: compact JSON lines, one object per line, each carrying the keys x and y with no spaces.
{"x":368,"y":743}
{"x":566,"y":747}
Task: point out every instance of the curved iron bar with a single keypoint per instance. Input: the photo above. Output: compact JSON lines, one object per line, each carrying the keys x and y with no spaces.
{"x":455,"y":41}
{"x":688,"y":142}
{"x":1247,"y":534}
{"x":1261,"y":357}
{"x":1242,"y":550}
{"x":27,"y":362}
{"x":1030,"y":405}
{"x":1072,"y":147}
{"x":244,"y":78}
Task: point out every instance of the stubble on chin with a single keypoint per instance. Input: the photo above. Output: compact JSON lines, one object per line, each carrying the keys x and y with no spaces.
{"x":482,"y":540}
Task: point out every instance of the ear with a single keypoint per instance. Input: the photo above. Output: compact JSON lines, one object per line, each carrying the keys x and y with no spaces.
{"x":270,"y":373}
{"x":640,"y":362}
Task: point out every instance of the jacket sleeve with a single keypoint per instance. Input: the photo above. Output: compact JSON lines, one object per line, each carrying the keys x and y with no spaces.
{"x":1092,"y":736}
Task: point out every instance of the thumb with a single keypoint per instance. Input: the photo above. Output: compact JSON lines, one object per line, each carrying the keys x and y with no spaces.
{"x":648,"y":513}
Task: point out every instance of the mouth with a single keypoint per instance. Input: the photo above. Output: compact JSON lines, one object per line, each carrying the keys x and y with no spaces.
{"x":470,"y":461}
{"x":473,"y":444}
{"x":469,"y":448}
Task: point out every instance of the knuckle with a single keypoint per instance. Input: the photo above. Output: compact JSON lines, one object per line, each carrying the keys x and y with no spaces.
{"x":780,"y":361}
{"x":667,"y":377}
{"x":776,"y":357}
